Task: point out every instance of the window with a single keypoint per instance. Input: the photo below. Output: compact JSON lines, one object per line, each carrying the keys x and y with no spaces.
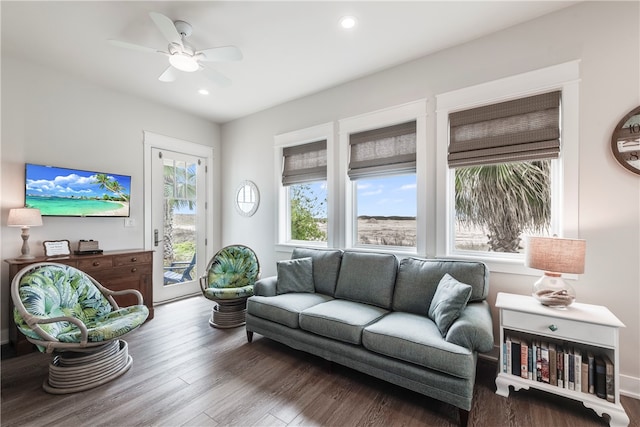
{"x":502,"y":184}
{"x":303,"y":157}
{"x":382,"y":165}
{"x":510,"y":165}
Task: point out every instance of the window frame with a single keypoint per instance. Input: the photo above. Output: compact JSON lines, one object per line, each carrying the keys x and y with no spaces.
{"x":416,"y":110}
{"x":324,"y":131}
{"x":565,"y":222}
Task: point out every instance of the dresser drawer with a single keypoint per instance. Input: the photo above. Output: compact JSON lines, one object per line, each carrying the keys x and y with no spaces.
{"x":565,"y":329}
{"x":95,"y":264}
{"x":132,"y":259}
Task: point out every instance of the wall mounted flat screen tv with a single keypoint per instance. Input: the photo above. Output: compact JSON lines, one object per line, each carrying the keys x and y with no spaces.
{"x":73,"y":192}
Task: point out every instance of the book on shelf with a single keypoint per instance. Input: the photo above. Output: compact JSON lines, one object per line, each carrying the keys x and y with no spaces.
{"x":559,"y":364}
{"x":601,"y":387}
{"x":524,"y":360}
{"x":515,"y":356}
{"x":544,"y":362}
{"x":592,"y":373}
{"x":584,"y":373}
{"x":609,"y":379}
{"x":553,"y":361}
{"x":577,"y":369}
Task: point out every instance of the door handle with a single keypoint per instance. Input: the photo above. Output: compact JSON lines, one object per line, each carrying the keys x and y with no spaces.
{"x":155,"y":237}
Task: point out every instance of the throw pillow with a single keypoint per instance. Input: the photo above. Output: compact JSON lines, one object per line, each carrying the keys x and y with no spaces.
{"x":295,"y":275}
{"x":450,"y":299}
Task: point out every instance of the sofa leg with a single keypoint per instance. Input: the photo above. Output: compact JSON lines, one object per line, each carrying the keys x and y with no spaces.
{"x":249,"y":336}
{"x":464,"y":417}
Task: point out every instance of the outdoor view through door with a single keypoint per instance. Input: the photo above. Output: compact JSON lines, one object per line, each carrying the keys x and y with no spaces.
{"x":178,"y":201}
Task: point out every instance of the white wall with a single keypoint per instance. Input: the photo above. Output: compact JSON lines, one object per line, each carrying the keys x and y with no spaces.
{"x":56,"y":119}
{"x":605,"y":36}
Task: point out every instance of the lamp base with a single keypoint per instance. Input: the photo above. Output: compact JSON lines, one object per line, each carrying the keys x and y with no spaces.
{"x":552,"y":291}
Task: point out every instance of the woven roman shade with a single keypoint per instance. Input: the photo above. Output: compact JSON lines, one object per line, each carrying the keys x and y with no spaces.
{"x":383,"y":151}
{"x":305,"y":163}
{"x":518,"y":130}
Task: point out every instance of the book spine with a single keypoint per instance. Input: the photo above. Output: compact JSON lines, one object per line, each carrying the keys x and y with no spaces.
{"x":544,"y":354}
{"x":515,"y":357}
{"x":524,"y":360}
{"x":609,"y":380}
{"x":584,"y":374}
{"x":601,"y":387}
{"x":592,"y":373}
{"x":577,"y":369}
{"x":560,"y":362}
{"x":566,"y":368}
{"x":553,"y":369}
{"x":508,"y":345}
{"x":538,"y":363}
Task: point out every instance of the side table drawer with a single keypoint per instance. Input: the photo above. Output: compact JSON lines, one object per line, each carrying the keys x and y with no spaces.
{"x":132,"y":259}
{"x":94,"y":264}
{"x":564,"y":328}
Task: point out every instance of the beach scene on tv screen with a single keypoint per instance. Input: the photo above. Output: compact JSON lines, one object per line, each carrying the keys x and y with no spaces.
{"x":70,"y":192}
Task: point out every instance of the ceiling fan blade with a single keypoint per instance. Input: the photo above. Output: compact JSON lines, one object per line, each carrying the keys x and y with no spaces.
{"x":132,"y":46}
{"x":168,"y":76}
{"x":221,"y":54}
{"x":216,"y":77}
{"x":166,"y":27}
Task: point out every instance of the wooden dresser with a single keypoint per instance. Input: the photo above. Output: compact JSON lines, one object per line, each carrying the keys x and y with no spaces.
{"x":116,"y":270}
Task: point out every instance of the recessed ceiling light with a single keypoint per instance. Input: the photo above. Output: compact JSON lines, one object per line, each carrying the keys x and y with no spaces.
{"x":348,"y":22}
{"x":203,"y":92}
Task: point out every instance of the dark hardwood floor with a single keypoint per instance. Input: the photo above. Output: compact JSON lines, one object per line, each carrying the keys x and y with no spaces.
{"x":186,"y":373}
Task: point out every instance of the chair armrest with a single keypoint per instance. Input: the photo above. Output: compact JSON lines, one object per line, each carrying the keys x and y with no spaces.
{"x":474,"y":328}
{"x":266,"y":287}
{"x":34,"y":323}
{"x":136,"y":292}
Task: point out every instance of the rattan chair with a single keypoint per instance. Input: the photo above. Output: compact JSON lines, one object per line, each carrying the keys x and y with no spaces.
{"x":228,"y":281}
{"x":66,"y":312}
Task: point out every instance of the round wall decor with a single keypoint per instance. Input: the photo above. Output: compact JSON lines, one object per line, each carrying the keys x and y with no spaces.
{"x":625,"y":141}
{"x":247,"y":198}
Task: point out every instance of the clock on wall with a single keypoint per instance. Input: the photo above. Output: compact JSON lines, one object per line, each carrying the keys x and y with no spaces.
{"x":625,"y":141}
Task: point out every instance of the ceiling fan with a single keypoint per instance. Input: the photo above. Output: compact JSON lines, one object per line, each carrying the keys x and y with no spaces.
{"x":183,"y":56}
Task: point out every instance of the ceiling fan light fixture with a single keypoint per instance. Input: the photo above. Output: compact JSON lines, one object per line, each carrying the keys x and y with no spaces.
{"x":348,"y":22}
{"x":184,"y":62}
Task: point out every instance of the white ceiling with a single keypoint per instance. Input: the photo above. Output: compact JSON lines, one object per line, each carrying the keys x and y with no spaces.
{"x":291,"y":48}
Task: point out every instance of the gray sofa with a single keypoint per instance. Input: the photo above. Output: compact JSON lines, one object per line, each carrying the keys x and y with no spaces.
{"x":416,"y":323}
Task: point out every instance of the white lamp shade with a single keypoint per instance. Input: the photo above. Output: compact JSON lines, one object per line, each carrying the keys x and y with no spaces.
{"x":24,"y":217}
{"x":554,"y":254}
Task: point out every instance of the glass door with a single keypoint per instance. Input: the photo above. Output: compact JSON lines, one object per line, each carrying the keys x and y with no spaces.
{"x":178,"y":223}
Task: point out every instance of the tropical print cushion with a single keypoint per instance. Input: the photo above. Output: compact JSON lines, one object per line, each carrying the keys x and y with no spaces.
{"x":110,"y":326}
{"x":229,"y":293}
{"x":233,"y":267}
{"x":50,"y":291}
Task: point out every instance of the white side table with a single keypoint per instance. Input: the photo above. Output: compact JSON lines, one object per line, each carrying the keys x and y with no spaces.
{"x":590,"y":327}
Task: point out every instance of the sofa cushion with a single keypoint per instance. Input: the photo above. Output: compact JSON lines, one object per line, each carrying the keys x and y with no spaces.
{"x":326,"y":266}
{"x":416,"y":339}
{"x":450,"y":299}
{"x":339,"y":319}
{"x":367,"y":278}
{"x":415,"y":287}
{"x":419,"y":278}
{"x":295,"y":275}
{"x":284,"y":309}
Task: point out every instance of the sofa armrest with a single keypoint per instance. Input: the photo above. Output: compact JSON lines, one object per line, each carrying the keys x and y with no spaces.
{"x":266,"y":286}
{"x":474,"y":328}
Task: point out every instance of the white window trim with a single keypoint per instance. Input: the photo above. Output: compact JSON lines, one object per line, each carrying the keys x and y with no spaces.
{"x":299,"y":137}
{"x":416,"y":110}
{"x":565,"y":77}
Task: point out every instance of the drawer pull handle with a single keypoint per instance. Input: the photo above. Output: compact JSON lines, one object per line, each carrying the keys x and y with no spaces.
{"x":96,"y":263}
{"x":134,"y":269}
{"x":134,"y":259}
{"x":553,"y":328}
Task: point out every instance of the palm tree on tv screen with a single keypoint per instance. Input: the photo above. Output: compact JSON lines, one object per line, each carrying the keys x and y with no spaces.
{"x":111,"y":185}
{"x":505,"y":199}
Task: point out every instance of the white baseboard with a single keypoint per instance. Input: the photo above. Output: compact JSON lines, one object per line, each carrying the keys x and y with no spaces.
{"x":630,"y":386}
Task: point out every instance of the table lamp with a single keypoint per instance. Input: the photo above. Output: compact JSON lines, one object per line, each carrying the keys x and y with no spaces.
{"x":25,"y":218}
{"x":554,"y":256}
